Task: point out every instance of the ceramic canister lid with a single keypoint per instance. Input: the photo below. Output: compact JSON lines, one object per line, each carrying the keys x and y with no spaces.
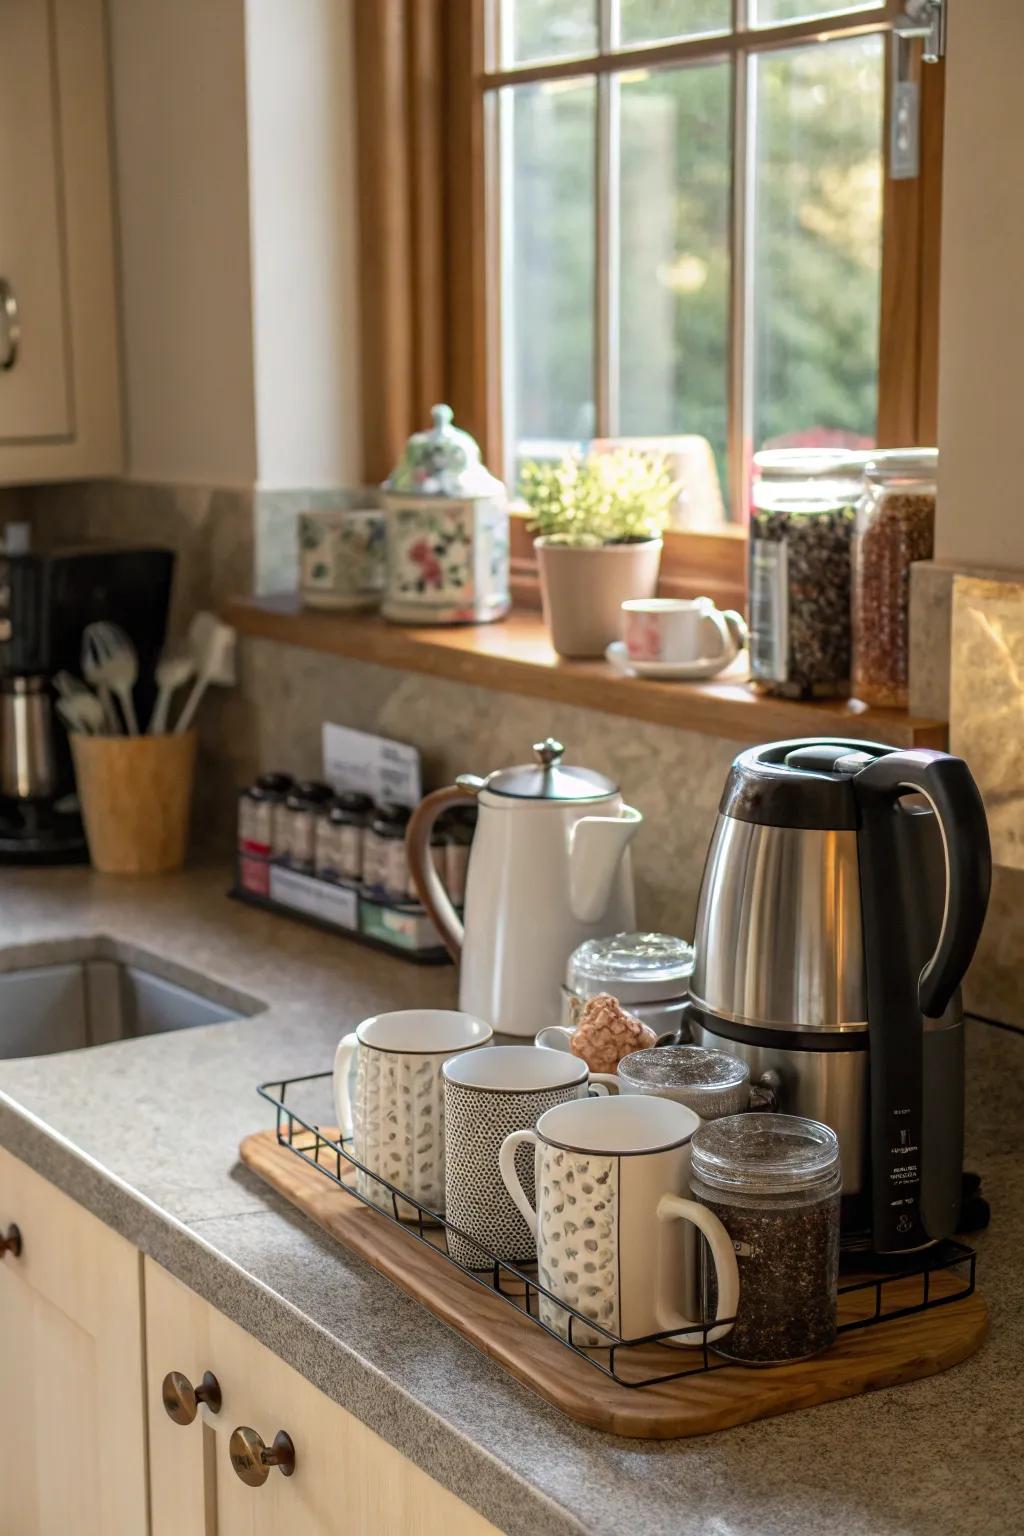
{"x":549,"y":779}
{"x":633,"y":967}
{"x":443,"y":461}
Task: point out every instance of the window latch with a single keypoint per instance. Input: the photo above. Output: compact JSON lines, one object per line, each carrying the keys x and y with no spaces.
{"x":923,"y":20}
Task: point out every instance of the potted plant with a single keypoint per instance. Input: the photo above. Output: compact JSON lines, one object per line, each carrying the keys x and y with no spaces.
{"x":598,"y":522}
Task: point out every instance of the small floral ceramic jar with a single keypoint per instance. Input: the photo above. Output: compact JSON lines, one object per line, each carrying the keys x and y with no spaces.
{"x":447,"y":520}
{"x":341,"y":558}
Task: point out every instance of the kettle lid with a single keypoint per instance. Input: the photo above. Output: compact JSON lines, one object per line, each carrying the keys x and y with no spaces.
{"x":805,"y":783}
{"x":548,"y":778}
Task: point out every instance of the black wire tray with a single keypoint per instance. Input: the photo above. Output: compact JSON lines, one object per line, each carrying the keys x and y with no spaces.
{"x":629,"y":1362}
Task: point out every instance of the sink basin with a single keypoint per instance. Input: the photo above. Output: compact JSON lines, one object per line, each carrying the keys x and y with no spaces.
{"x":101,"y":995}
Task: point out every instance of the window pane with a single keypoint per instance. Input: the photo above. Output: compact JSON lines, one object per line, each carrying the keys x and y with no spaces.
{"x":651,"y":21}
{"x":769,"y":13}
{"x":541,"y":29}
{"x":816,"y":247}
{"x":548,"y":240}
{"x":674,"y":255}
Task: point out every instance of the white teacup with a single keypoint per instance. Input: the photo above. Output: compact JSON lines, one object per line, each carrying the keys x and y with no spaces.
{"x":615,"y":1234}
{"x":681,"y":630}
{"x":395,"y":1115}
{"x":342,"y":557}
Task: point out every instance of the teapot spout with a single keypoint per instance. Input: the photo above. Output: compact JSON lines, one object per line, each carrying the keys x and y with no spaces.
{"x":596,"y":846}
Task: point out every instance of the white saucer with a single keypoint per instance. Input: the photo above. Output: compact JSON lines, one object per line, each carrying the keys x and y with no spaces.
{"x":668,"y":671}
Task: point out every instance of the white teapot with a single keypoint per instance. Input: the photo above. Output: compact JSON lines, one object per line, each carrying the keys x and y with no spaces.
{"x":549,"y":867}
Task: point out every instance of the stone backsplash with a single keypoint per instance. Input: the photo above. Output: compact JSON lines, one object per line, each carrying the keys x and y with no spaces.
{"x":232,"y":540}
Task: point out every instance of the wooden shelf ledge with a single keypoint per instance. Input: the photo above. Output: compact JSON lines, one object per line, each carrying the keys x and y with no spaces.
{"x":516,"y":657}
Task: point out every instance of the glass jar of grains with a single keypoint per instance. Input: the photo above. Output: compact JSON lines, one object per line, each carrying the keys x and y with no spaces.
{"x":801,"y":529}
{"x":895,"y":526}
{"x":773,"y":1181}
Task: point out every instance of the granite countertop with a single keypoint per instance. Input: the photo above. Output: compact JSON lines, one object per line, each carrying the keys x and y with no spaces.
{"x":145,"y":1134}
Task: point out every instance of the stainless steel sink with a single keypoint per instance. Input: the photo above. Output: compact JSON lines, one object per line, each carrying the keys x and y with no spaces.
{"x":103,"y":994}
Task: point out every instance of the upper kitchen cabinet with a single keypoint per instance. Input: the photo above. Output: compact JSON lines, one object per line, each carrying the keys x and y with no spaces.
{"x":60,"y":412}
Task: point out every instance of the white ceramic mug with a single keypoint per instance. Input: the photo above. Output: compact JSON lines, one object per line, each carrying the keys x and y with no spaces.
{"x":615,"y":1234}
{"x":395,"y":1115}
{"x":681,"y":630}
{"x":487,"y":1094}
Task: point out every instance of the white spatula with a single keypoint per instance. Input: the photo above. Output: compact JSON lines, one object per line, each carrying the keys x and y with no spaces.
{"x":212,"y":645}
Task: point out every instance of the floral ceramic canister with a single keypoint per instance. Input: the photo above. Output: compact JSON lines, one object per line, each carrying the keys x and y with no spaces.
{"x":341,"y":558}
{"x":447,"y":522}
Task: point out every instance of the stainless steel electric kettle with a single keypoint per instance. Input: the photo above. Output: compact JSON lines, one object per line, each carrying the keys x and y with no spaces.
{"x":843,"y":896}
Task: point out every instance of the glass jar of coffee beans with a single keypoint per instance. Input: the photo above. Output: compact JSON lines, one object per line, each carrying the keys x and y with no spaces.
{"x":774,"y":1181}
{"x":801,"y":529}
{"x":895,"y":526}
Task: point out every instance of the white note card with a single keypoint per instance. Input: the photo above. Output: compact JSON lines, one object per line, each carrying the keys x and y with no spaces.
{"x":372,"y":765}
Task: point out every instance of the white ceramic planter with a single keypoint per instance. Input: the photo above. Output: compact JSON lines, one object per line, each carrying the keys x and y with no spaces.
{"x":583,"y":589}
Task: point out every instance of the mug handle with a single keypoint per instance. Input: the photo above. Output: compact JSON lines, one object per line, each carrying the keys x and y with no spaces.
{"x":675,"y":1208}
{"x":554,"y":1029}
{"x":602,"y":1084}
{"x":510,"y":1177}
{"x":732,"y":630}
{"x":342,"y":1098}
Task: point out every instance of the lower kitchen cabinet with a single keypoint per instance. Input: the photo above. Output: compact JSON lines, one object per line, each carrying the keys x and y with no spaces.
{"x":347,"y":1481}
{"x":72,"y":1401}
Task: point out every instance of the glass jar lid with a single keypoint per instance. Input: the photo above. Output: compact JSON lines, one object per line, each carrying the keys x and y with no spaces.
{"x":633,"y":967}
{"x":549,"y":779}
{"x":765,"y":1154}
{"x":789,"y":464}
{"x":443,"y":461}
{"x":690,"y":1066}
{"x":917,"y":467}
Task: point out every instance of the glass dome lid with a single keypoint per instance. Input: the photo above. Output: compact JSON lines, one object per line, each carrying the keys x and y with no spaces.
{"x":443,"y":461}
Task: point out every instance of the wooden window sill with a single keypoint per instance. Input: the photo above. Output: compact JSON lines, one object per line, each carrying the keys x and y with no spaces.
{"x":516,"y":657}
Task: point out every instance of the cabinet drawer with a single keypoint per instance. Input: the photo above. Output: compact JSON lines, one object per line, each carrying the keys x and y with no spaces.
{"x":347,"y":1480}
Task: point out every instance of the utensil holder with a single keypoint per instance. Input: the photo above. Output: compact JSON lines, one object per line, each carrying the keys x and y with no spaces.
{"x":136,"y":795}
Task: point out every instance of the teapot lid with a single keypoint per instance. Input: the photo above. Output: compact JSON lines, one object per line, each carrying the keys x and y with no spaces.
{"x":548,"y":779}
{"x":443,"y":461}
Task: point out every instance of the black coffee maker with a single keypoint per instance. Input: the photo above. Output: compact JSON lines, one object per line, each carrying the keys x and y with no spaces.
{"x":46,"y":601}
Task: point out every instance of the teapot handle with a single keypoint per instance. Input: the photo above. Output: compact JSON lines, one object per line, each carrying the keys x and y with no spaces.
{"x":421,"y":866}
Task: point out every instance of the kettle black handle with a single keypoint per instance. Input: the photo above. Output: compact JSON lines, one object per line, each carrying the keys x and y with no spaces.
{"x":947,"y":785}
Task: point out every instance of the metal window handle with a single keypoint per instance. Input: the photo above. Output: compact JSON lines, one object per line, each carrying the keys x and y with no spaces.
{"x":11,"y":325}
{"x":181,"y":1399}
{"x":11,"y":1243}
{"x":252,"y":1459}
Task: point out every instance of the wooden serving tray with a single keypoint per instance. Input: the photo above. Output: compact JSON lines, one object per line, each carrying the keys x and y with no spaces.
{"x":860,"y":1361}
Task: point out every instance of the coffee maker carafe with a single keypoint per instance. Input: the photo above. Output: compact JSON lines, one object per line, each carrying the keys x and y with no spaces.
{"x":843,"y":896}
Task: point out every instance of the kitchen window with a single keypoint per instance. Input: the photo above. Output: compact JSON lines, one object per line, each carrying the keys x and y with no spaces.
{"x":689,"y":233}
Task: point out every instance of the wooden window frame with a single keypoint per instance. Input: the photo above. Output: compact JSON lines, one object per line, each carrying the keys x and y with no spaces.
{"x":693,"y":563}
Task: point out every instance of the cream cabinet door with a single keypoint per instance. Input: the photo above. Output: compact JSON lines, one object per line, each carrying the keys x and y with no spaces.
{"x":60,"y":394}
{"x":347,"y":1480}
{"x":34,"y":389}
{"x":72,"y":1399}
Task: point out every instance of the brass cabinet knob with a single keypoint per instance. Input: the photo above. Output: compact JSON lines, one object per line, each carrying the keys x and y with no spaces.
{"x":252,"y":1459}
{"x":181,"y":1399}
{"x":11,"y":1243}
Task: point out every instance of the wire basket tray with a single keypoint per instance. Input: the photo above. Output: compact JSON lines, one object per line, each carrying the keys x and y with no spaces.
{"x":633,"y":1363}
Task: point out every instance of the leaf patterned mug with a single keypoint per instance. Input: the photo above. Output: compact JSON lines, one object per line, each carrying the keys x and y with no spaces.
{"x":342,"y":558}
{"x":616,"y":1237}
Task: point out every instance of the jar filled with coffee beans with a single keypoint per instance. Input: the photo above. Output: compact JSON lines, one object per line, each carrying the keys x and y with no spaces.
{"x":774,"y":1182}
{"x":895,"y":526}
{"x":801,"y":530}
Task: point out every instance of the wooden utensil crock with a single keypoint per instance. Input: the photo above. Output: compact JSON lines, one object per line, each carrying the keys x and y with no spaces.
{"x":136,"y":795}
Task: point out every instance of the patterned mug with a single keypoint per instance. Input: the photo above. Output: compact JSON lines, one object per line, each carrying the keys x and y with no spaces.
{"x":616,"y":1238}
{"x":395,"y":1112}
{"x":487,"y":1094}
{"x":342,"y":558}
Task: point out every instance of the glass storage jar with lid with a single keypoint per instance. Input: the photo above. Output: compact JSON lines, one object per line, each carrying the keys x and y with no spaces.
{"x":774,"y":1183}
{"x":895,"y":526}
{"x":801,"y":528}
{"x":648,"y":973}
